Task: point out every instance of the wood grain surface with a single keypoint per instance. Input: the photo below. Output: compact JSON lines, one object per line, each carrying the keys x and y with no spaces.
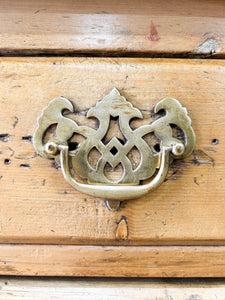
{"x":163,"y":261}
{"x":118,"y":27}
{"x":38,"y":206}
{"x":88,"y":289}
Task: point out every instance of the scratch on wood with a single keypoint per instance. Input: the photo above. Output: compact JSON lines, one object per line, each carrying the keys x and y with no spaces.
{"x":209,"y":149}
{"x":122,"y":229}
{"x":102,"y":12}
{"x":125,"y":32}
{"x":195,"y":297}
{"x":15,"y":122}
{"x":39,"y":10}
{"x":208,"y":47}
{"x":202,"y":158}
{"x":11,"y":151}
{"x":175,"y":170}
{"x":26,"y":157}
{"x":195,"y":181}
{"x":55,"y":165}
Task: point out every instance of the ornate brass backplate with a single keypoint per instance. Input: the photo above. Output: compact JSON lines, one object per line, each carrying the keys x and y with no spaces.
{"x":153,"y":163}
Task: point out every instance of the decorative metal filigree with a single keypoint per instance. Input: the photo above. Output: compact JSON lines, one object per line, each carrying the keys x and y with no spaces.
{"x":153,"y":164}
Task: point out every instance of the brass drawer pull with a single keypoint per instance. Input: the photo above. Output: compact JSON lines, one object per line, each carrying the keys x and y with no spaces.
{"x":154,"y":158}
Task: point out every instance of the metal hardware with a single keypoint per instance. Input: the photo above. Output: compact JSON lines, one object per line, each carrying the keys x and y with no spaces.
{"x":153,"y":163}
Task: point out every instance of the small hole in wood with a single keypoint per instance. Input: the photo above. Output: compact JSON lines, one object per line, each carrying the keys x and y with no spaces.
{"x":7,"y":161}
{"x":26,"y":166}
{"x":27,"y":138}
{"x":215,"y":141}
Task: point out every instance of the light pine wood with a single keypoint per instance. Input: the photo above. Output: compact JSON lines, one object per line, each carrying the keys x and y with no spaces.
{"x":139,"y":289}
{"x":119,"y":27}
{"x":164,"y":261}
{"x":38,"y":206}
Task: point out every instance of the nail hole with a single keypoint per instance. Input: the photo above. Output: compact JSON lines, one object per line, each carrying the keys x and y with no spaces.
{"x":5,"y":137}
{"x":26,"y":166}
{"x":27,"y":138}
{"x":7,"y":161}
{"x":215,"y":141}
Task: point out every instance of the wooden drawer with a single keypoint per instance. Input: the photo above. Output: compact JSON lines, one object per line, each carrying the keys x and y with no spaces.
{"x":48,"y":228}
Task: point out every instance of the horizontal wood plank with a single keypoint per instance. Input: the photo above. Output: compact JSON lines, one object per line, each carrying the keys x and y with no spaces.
{"x":139,"y":289}
{"x":38,"y":206}
{"x":117,"y":27}
{"x":37,"y":260}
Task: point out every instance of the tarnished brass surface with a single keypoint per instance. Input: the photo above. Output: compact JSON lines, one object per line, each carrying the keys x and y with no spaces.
{"x":153,"y":164}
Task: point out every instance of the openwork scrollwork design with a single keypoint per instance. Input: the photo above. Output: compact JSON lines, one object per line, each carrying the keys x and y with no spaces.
{"x":153,"y":163}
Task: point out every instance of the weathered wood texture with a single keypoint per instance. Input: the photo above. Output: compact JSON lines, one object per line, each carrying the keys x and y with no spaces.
{"x":100,"y":289}
{"x":38,"y":206}
{"x":151,"y":27}
{"x":163,"y":261}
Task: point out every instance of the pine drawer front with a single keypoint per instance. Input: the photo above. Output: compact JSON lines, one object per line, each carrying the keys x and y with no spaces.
{"x":49,"y":228}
